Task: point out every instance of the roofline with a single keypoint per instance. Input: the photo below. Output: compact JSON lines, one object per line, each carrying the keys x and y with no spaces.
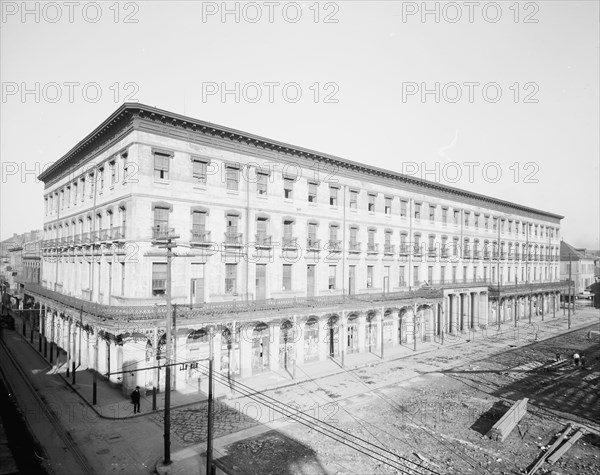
{"x":129,"y":107}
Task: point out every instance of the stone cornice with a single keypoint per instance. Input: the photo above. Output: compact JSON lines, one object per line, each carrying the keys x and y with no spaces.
{"x":151,"y":119}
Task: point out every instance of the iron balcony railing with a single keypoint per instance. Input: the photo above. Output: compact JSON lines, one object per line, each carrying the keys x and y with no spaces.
{"x":388,"y":249}
{"x":263,"y":240}
{"x":233,"y":239}
{"x":163,"y":233}
{"x":313,"y":244}
{"x":289,"y":243}
{"x":372,"y":248}
{"x":334,"y":245}
{"x":200,"y":237}
{"x":354,"y":246}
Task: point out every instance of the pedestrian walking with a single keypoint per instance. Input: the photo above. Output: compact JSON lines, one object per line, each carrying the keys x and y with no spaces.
{"x":582,"y":359}
{"x":576,"y":359}
{"x":135,"y":399}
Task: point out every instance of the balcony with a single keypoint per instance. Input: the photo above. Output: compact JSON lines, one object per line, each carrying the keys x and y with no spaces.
{"x":354,"y":246}
{"x":417,"y":249}
{"x":404,"y":249}
{"x":466,"y":254}
{"x":388,"y":249}
{"x":289,"y":243}
{"x":86,"y":238}
{"x":372,"y":248}
{"x":334,"y":245}
{"x":199,"y":237}
{"x":159,"y":286}
{"x":263,"y":241}
{"x":503,"y":256}
{"x":431,"y":252}
{"x":313,"y":244}
{"x":233,"y":239}
{"x":161,"y":234}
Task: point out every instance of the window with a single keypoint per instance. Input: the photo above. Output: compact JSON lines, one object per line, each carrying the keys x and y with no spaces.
{"x":456,"y":216}
{"x":312,"y":233}
{"x":198,"y":224}
{"x":445,"y":215}
{"x":467,"y":217}
{"x":232,"y":177}
{"x":444,"y":246}
{"x":353,"y":199}
{"x":113,"y":173}
{"x":369,"y":277}
{"x":332,"y":277}
{"x":83,"y":189}
{"x":159,"y":278}
{"x":333,"y":233}
{"x":261,"y":183}
{"x":161,"y":165}
{"x":417,"y":244}
{"x":495,"y":225}
{"x":442,"y":274}
{"x":401,"y":277}
{"x":487,"y":222}
{"x":123,"y":220}
{"x":230,"y":278}
{"x":430,"y":275}
{"x":333,"y":196}
{"x":388,"y":241}
{"x":288,"y":188}
{"x":454,"y":274}
{"x":371,"y":205}
{"x":288,"y":231}
{"x":199,"y":170}
{"x":101,"y":178}
{"x":371,"y":240}
{"x":353,"y":236}
{"x":388,"y":205}
{"x":416,"y":275}
{"x":161,"y":221}
{"x":287,"y":277}
{"x":431,"y":245}
{"x":476,"y":220}
{"x":403,"y":247}
{"x":431,"y":213}
{"x":417,"y":210}
{"x":403,"y":208}
{"x":464,"y":273}
{"x":510,"y":228}
{"x":312,"y":192}
{"x":75,"y":195}
{"x":261,"y":230}
{"x":231,"y":233}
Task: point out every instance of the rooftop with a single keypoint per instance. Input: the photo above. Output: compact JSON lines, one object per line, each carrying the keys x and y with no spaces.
{"x":123,"y":117}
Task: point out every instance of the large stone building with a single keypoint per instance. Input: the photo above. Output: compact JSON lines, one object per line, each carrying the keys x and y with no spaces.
{"x":290,"y":254}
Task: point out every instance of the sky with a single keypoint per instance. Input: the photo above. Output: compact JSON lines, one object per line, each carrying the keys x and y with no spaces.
{"x":499,"y":98}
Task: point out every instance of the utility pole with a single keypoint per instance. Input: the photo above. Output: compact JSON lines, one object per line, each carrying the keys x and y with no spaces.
{"x":167,"y":434}
{"x":569,"y":294}
{"x":209,"y":431}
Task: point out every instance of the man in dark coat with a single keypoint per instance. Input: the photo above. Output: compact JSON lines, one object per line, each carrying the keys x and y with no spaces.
{"x":135,"y":399}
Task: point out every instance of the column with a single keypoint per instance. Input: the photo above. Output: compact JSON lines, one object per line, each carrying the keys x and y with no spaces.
{"x":361,"y":332}
{"x":274,"y":334}
{"x":322,"y":346}
{"x":299,"y":342}
{"x":483,"y":308}
{"x":380,"y":332}
{"x":245,"y":354}
{"x":342,"y":336}
{"x":395,"y":326}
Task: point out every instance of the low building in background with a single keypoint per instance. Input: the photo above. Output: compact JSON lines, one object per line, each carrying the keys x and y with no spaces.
{"x":582,"y":264}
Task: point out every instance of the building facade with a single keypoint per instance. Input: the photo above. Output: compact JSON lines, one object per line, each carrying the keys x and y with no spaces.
{"x":289,"y":254}
{"x":578,"y":264}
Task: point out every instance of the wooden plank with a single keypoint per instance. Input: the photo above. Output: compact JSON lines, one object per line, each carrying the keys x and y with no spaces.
{"x":566,"y":446}
{"x":507,"y":423}
{"x":551,"y":449}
